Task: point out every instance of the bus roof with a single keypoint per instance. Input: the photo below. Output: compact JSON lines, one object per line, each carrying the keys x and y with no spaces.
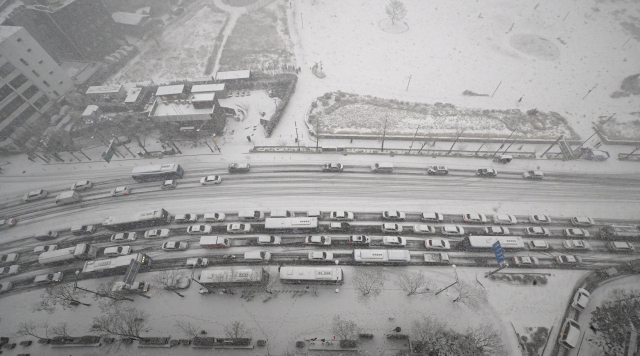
{"x":488,"y":241}
{"x":283,"y":223}
{"x":154,"y":168}
{"x":231,"y":275}
{"x":145,"y":215}
{"x":311,"y":273}
{"x":101,"y":265}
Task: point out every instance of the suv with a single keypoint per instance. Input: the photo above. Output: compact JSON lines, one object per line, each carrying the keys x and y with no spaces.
{"x":238,"y":228}
{"x":185,"y":218}
{"x":505,"y":219}
{"x":620,"y":246}
{"x":580,"y":299}
{"x":533,"y":175}
{"x":269,"y":240}
{"x":175,"y":246}
{"x":437,"y":244}
{"x":424,"y":229}
{"x":317,"y":240}
{"x":437,"y":170}
{"x":540,"y":219}
{"x":431,"y":217}
{"x":12,"y":257}
{"x":239,"y":167}
{"x":169,"y":184}
{"x":391,"y":227}
{"x":576,"y":245}
{"x":338,"y":226}
{"x":393,"y":215}
{"x":486,"y":172}
{"x":359,"y":240}
{"x":538,"y":245}
{"x":581,"y":221}
{"x":525,"y":261}
{"x":199,"y":229}
{"x":568,"y":260}
{"x":341,"y":215}
{"x":394,"y":241}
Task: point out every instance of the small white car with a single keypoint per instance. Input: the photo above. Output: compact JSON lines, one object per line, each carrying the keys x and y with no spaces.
{"x":431,"y":217}
{"x":36,"y":195}
{"x":157,"y":233}
{"x":537,"y":175}
{"x":438,"y":170}
{"x":341,"y":215}
{"x":580,"y":299}
{"x":575,"y":232}
{"x":393,"y":215}
{"x":424,"y":229}
{"x":269,"y":240}
{"x":7,"y":271}
{"x":474,"y":218}
{"x":12,"y":257}
{"x":238,"y":228}
{"x":47,"y":248}
{"x":211,"y":180}
{"x":48,"y":278}
{"x":452,"y":230}
{"x":394,"y":241}
{"x":537,"y":245}
{"x":496,"y":230}
{"x":124,"y":190}
{"x":169,"y":184}
{"x":332,"y":167}
{"x":504,"y":219}
{"x":82,"y":185}
{"x":391,"y":227}
{"x":568,"y":260}
{"x":175,"y":246}
{"x":199,"y":229}
{"x":540,"y":219}
{"x":5,"y":287}
{"x":317,"y":240}
{"x":185,"y":218}
{"x":581,"y":221}
{"x":576,"y":245}
{"x":320,"y":256}
{"x":116,"y":251}
{"x":525,"y":261}
{"x":215,"y":217}
{"x":359,"y":240}
{"x":537,"y":231}
{"x":123,"y":236}
{"x":437,"y":244}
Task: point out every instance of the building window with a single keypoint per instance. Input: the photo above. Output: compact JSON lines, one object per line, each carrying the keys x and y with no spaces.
{"x":56,"y":93}
{"x":6,"y":69}
{"x":41,"y":102}
{"x":12,"y":106}
{"x":18,"y":81}
{"x":35,"y":73}
{"x":28,"y":49}
{"x":45,"y":83}
{"x":24,"y":62}
{"x":30,"y":92}
{"x":5,"y":91}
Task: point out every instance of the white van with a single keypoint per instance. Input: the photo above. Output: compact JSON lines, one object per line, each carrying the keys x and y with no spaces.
{"x":382,"y":167}
{"x":250,"y":215}
{"x":214,"y":217}
{"x":257,"y":256}
{"x":282,"y":214}
{"x":116,"y":251}
{"x":569,"y":334}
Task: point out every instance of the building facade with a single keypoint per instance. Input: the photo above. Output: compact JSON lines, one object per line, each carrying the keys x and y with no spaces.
{"x":31,"y":83}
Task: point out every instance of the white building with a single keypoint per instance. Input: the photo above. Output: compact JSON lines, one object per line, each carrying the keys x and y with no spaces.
{"x":31,"y":83}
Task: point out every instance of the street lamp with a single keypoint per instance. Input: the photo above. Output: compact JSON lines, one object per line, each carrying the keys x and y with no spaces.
{"x":455,"y":272}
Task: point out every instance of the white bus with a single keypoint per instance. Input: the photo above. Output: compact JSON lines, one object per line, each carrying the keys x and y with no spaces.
{"x":486,"y":242}
{"x":381,"y":256}
{"x":220,"y":277}
{"x":116,"y":265}
{"x":69,"y":254}
{"x":157,"y":172}
{"x":321,"y":275}
{"x":291,"y":225}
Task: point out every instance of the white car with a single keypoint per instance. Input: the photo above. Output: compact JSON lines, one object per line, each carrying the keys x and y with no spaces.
{"x":504,"y":219}
{"x":124,"y":190}
{"x":36,"y":195}
{"x":320,"y":256}
{"x":169,"y":184}
{"x":47,"y":248}
{"x":7,"y":271}
{"x":452,"y":230}
{"x":391,"y":227}
{"x":215,"y":217}
{"x":568,"y":260}
{"x":581,"y":221}
{"x":580,"y":299}
{"x":317,"y":240}
{"x":48,"y":278}
{"x":538,"y":245}
{"x":157,"y":233}
{"x":437,"y":244}
{"x":199,"y":229}
{"x":474,"y":218}
{"x":211,"y":180}
{"x":175,"y":246}
{"x":576,"y":245}
{"x":269,"y":240}
{"x":496,"y":230}
{"x":5,"y":287}
{"x":116,"y":251}
{"x":238,"y":228}
{"x":393,"y":215}
{"x":82,"y":185}
{"x":540,"y":219}
{"x":424,"y":229}
{"x":341,"y":215}
{"x":575,"y":232}
{"x":432,"y":217}
{"x":359,"y":240}
{"x":123,"y":236}
{"x":394,"y":241}
{"x":525,"y":261}
{"x":537,"y":231}
{"x":12,"y":257}
{"x":185,"y":218}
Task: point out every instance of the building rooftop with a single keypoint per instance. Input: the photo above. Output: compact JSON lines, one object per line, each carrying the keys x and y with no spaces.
{"x":236,"y":74}
{"x":104,"y":89}
{"x":80,"y":71}
{"x":132,"y":95}
{"x":178,"y":112}
{"x":128,"y":18}
{"x":207,"y":88}
{"x":202,"y":97}
{"x":90,"y":110}
{"x":7,"y":31}
{"x":170,"y":90}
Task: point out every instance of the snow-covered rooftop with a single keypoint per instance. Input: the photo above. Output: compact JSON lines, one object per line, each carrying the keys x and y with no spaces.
{"x":128,"y":18}
{"x":236,"y":74}
{"x":207,"y":88}
{"x":170,"y":90}
{"x":104,"y":89}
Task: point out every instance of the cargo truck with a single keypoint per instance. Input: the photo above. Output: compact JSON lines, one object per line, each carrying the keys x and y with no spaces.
{"x":70,"y":254}
{"x":436,"y":258}
{"x":68,"y":198}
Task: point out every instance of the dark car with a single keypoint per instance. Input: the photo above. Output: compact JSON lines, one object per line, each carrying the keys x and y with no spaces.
{"x":239,"y":167}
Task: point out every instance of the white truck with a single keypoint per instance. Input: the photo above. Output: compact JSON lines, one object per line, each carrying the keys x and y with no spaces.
{"x":436,"y":258}
{"x":68,"y":198}
{"x":214,"y":242}
{"x":196,"y":262}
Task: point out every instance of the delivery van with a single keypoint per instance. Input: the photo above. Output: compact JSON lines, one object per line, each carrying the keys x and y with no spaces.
{"x":214,"y":242}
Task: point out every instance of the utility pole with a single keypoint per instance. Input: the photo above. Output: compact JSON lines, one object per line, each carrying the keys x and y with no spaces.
{"x":452,"y":284}
{"x":408,"y":82}
{"x":384,"y":134}
{"x":487,"y":140}
{"x":125,"y":147}
{"x":414,"y":138}
{"x":75,"y":286}
{"x":597,"y":128}
{"x":502,"y":145}
{"x":297,"y":139}
{"x":456,"y":140}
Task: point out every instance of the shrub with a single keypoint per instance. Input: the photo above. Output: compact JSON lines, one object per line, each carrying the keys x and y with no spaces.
{"x":299,"y":344}
{"x":337,"y":99}
{"x":325,"y":102}
{"x":348,"y":343}
{"x":365,"y":336}
{"x":327,"y":95}
{"x":314,"y":104}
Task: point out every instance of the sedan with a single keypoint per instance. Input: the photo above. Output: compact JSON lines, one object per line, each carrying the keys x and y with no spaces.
{"x":269,"y":240}
{"x":199,"y":229}
{"x":211,"y":180}
{"x":81,"y":185}
{"x":239,"y":167}
{"x":452,"y":230}
{"x":320,"y":256}
{"x":238,"y":228}
{"x":438,"y":170}
{"x":339,"y":226}
{"x":496,"y":230}
{"x":576,"y":245}
{"x":317,"y":240}
{"x":537,"y":245}
{"x":186,"y":218}
{"x":568,"y":260}
{"x":215,"y":217}
{"x":432,"y":217}
{"x":341,"y":215}
{"x":5,"y":287}
{"x":581,"y":221}
{"x":47,"y":248}
{"x":486,"y":172}
{"x":169,"y":184}
{"x":537,"y":231}
{"x":576,"y":232}
{"x":35,"y":195}
{"x":120,"y":191}
{"x":474,"y":218}
{"x":540,"y":219}
{"x":6,"y":271}
{"x":393,"y":215}
{"x":390,"y":227}
{"x":424,"y":229}
{"x":12,"y":257}
{"x":359,"y":240}
{"x":175,"y":246}
{"x":123,"y":236}
{"x":525,"y":261}
{"x":332,"y":167}
{"x":437,"y":244}
{"x":156,"y":233}
{"x":505,"y":219}
{"x":620,"y":246}
{"x":394,"y":241}
{"x":580,"y":299}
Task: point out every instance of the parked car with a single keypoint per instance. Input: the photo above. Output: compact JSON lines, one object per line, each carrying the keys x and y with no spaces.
{"x":238,"y":228}
{"x":536,"y":175}
{"x":46,"y":248}
{"x":391,"y":227}
{"x":116,"y":251}
{"x":393,"y":215}
{"x":157,"y":233}
{"x":169,"y":184}
{"x":580,"y":299}
{"x":568,"y":260}
{"x":341,"y":215}
{"x":525,"y":261}
{"x":504,"y":219}
{"x":424,"y":229}
{"x":359,"y":240}
{"x":9,"y":270}
{"x":540,"y":219}
{"x":486,"y":172}
{"x":437,"y":170}
{"x":452,"y":230}
{"x":474,"y":218}
{"x":576,"y":245}
{"x":210,"y":180}
{"x":185,"y":218}
{"x":124,"y":190}
{"x":394,"y":241}
{"x":35,"y":195}
{"x":48,"y":278}
{"x":317,"y":240}
{"x":81,"y":185}
{"x":537,"y":245}
{"x":12,"y":257}
{"x":581,"y":221}
{"x":437,"y":244}
{"x":575,"y":232}
{"x":199,"y":229}
{"x":339,"y":226}
{"x":214,"y":217}
{"x":123,"y":236}
{"x":620,"y":246}
{"x":239,"y":167}
{"x":332,"y":167}
{"x":320,"y":256}
{"x":175,"y":246}
{"x":431,"y":217}
{"x":537,"y":231}
{"x":5,"y":287}
{"x":269,"y":240}
{"x":496,"y":230}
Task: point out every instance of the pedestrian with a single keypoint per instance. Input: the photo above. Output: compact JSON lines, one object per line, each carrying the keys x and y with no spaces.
{"x":249,"y":138}
{"x":351,"y":141}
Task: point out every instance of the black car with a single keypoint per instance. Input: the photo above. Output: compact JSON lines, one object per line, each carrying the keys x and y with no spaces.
{"x":239,"y":167}
{"x":332,"y":167}
{"x":484,"y":172}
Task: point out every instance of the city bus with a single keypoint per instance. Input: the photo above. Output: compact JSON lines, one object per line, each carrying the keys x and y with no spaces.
{"x":69,"y":254}
{"x":486,"y":242}
{"x":117,"y":265}
{"x":320,"y":275}
{"x":141,"y":220}
{"x":157,"y":172}
{"x":381,"y":256}
{"x":291,"y":225}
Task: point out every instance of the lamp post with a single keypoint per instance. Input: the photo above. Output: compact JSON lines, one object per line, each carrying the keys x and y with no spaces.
{"x":75,"y":286}
{"x":452,"y":284}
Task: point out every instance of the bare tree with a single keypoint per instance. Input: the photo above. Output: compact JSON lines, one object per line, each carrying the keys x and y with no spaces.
{"x":30,"y":328}
{"x":169,"y":280}
{"x":471,"y":295}
{"x":62,"y":329}
{"x":121,"y":321}
{"x":414,"y":283}
{"x":344,"y":329}
{"x":615,"y":319}
{"x":369,"y":282}
{"x":396,"y":11}
{"x":64,"y":295}
{"x":426,"y":329}
{"x":188,"y":328}
{"x":487,"y":339}
{"x":236,"y":330}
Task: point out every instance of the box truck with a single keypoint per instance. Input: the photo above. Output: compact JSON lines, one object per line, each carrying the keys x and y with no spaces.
{"x":68,"y":197}
{"x":214,"y":242}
